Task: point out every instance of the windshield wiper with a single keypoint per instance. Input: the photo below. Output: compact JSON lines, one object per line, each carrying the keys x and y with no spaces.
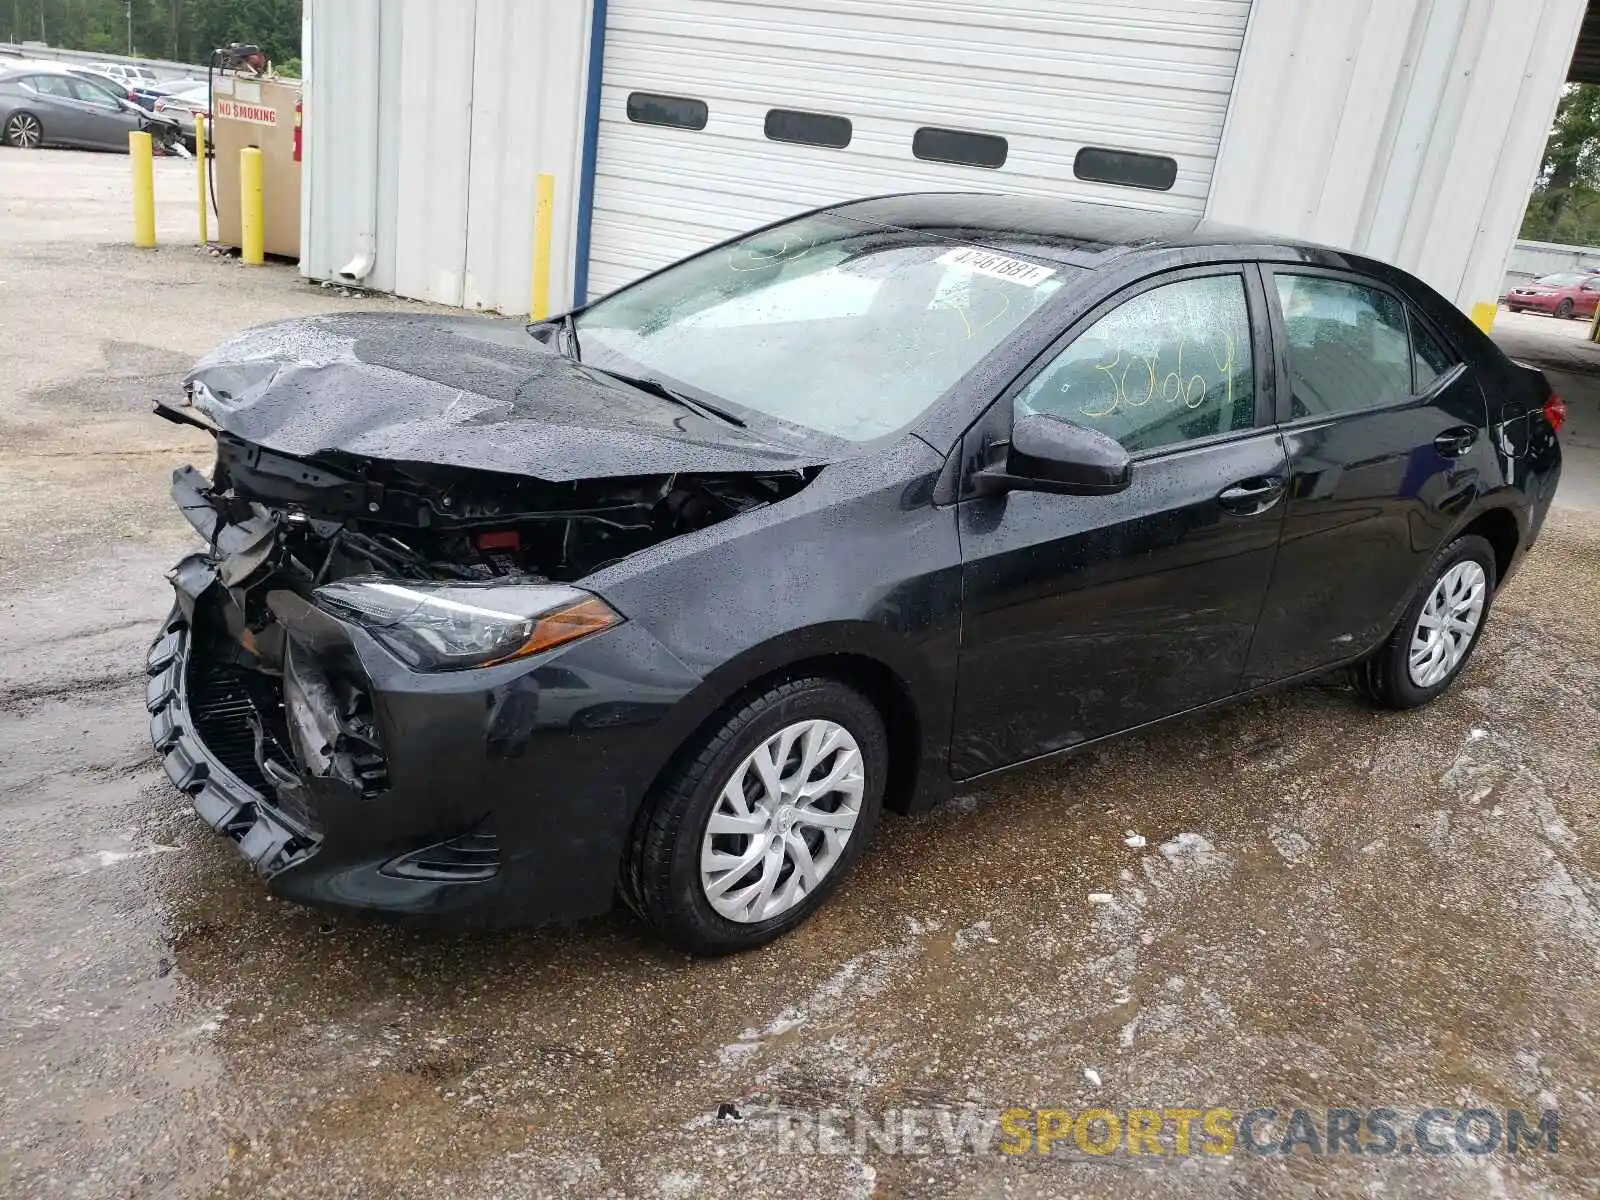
{"x":656,"y":388}
{"x":569,"y":328}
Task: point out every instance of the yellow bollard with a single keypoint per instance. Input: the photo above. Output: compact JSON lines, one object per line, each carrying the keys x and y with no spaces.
{"x":144,"y":190}
{"x":544,"y":209}
{"x":200,"y":176}
{"x":251,"y":229}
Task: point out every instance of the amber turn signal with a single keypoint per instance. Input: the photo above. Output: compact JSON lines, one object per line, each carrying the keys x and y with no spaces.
{"x":589,"y":615}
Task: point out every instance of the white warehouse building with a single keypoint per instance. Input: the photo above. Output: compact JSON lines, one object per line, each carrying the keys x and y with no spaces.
{"x":1410,"y":130}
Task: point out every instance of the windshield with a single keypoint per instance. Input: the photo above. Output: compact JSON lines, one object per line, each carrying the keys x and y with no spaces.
{"x":1561,"y":280}
{"x":846,"y":328}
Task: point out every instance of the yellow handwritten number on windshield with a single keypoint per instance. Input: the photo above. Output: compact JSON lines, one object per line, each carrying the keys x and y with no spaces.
{"x":1177,"y":385}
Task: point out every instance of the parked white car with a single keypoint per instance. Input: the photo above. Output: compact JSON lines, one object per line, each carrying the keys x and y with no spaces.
{"x":126,"y":73}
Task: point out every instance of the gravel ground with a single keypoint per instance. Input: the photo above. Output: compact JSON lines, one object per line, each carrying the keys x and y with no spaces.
{"x":1298,"y":903}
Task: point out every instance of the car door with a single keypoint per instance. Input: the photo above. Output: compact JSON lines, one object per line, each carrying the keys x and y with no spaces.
{"x":1588,"y":297}
{"x":59,"y":113}
{"x":1089,"y":614}
{"x":1387,"y":435}
{"x":107,"y":120}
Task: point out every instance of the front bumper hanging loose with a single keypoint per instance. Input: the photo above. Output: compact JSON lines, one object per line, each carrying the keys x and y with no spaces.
{"x":266,"y":836}
{"x":500,"y":795}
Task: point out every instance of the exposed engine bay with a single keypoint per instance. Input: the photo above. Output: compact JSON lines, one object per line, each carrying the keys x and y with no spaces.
{"x":440,"y":483}
{"x":338,"y":516}
{"x":278,"y":525}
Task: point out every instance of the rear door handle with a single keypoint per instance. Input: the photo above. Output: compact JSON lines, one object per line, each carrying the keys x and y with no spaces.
{"x":1251,"y":496}
{"x":1453,"y":443}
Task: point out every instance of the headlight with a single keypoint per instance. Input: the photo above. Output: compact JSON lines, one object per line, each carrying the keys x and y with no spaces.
{"x":449,"y":626}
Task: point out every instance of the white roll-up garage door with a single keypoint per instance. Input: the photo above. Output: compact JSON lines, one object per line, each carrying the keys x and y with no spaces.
{"x":1038,"y":81}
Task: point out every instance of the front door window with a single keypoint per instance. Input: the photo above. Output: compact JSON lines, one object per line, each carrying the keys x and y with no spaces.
{"x":1171,"y":365}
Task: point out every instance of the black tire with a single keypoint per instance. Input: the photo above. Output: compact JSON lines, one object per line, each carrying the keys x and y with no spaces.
{"x":1514,"y":308}
{"x":660,"y":877}
{"x":1385,"y":677}
{"x":23,"y":131}
{"x":1564,"y":309}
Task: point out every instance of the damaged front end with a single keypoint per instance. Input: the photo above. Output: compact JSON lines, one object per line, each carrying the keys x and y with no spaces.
{"x":362,"y":757}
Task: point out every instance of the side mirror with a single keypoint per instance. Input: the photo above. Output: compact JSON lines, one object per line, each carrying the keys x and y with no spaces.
{"x":1048,"y":454}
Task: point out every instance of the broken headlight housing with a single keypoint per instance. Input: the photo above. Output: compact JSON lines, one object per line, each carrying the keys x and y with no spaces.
{"x":452,"y":626}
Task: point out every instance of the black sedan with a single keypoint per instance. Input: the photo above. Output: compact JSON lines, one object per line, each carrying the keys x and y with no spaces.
{"x":671,"y":596}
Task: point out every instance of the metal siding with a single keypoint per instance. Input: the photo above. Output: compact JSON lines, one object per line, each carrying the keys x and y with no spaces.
{"x":427,"y":133}
{"x":339,"y":161}
{"x":1417,"y":91}
{"x":436,"y":63}
{"x":1407,"y":129}
{"x":525,"y":121}
{"x":390,"y":133}
{"x":1050,"y":76}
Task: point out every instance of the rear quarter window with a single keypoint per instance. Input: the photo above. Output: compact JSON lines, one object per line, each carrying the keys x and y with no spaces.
{"x":1429,"y":358}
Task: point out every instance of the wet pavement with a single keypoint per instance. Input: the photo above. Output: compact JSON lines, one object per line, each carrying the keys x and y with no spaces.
{"x":1298,"y":903}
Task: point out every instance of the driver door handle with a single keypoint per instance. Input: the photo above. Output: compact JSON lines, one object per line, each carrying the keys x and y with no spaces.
{"x":1251,"y":496}
{"x":1453,"y":443}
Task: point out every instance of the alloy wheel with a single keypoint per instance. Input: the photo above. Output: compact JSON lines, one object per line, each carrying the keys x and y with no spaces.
{"x":1447,"y":623}
{"x":782,"y":820}
{"x":23,"y":131}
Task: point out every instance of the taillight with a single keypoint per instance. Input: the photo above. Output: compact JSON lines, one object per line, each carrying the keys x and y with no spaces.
{"x":1555,"y":411}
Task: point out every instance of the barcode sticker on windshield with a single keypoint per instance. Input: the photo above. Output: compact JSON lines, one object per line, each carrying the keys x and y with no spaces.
{"x":998,"y":266}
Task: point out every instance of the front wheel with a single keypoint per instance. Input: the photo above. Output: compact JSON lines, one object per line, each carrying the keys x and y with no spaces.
{"x":23,"y":131}
{"x":747,"y":837}
{"x":1564,"y":309}
{"x":1436,"y":636}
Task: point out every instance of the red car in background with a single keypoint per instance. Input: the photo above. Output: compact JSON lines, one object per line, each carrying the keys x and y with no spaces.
{"x":1565,"y":294}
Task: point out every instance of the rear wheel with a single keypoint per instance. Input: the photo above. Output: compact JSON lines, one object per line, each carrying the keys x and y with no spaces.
{"x":1436,"y":636}
{"x":746,"y":838}
{"x":1564,"y":309}
{"x":23,"y":131}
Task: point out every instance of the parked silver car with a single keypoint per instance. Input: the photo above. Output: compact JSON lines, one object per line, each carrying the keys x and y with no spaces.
{"x":181,"y":102}
{"x":42,"y":104}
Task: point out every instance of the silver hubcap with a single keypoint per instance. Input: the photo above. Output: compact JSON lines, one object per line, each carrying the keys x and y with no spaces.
{"x":1448,"y":621}
{"x":24,"y":132}
{"x":781,"y":822}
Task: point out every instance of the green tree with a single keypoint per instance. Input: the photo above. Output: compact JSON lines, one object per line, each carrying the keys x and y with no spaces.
{"x":1565,"y":205}
{"x":184,"y":30}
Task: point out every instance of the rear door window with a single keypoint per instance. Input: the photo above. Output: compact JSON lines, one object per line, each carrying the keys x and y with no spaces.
{"x":1348,"y":345}
{"x":50,"y":85}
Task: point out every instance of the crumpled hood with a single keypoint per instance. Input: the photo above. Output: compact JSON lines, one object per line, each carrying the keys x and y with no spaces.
{"x":471,"y":392}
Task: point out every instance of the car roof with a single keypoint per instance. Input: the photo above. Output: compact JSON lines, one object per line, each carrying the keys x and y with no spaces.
{"x":34,"y":66}
{"x":1076,"y":232}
